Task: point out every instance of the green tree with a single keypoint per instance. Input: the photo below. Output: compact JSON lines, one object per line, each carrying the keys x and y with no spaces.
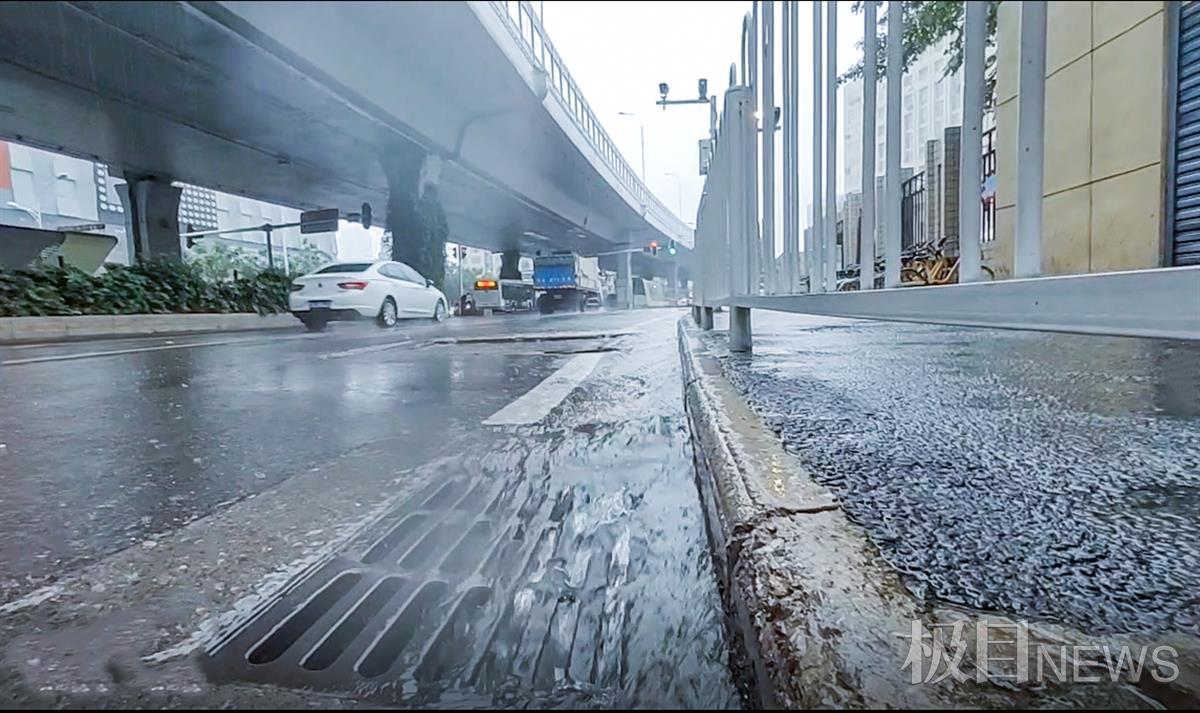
{"x":925,"y":24}
{"x":306,"y":258}
{"x":218,"y":261}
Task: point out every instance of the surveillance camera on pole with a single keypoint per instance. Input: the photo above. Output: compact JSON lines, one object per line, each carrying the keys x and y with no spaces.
{"x":664,"y":89}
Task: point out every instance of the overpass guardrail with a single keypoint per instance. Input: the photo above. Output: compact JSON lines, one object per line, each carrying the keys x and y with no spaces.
{"x":526,"y":27}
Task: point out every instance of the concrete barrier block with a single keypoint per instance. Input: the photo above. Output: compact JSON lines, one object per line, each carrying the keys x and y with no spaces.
{"x":39,"y":328}
{"x":89,"y":325}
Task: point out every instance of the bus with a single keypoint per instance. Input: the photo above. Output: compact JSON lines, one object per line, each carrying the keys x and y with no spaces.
{"x":502,"y":295}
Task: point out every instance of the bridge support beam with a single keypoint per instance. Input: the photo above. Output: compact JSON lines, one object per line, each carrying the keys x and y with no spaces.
{"x":510,"y":264}
{"x":740,"y":334}
{"x":152,"y":218}
{"x":414,"y":212}
{"x":706,"y":318}
{"x":625,"y":280}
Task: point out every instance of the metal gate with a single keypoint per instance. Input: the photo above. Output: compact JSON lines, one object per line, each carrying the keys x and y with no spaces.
{"x":1185,"y":228}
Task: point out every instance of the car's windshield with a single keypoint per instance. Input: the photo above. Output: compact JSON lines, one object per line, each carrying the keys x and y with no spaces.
{"x":522,"y":355}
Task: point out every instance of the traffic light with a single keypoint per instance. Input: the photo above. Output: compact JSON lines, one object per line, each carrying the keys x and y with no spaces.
{"x":671,"y":249}
{"x":653,"y":247}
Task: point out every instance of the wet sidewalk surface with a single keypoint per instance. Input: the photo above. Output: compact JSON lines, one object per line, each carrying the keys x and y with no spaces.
{"x":1047,"y":476}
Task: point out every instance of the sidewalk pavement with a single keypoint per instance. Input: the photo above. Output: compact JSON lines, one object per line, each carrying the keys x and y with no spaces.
{"x":823,"y":620}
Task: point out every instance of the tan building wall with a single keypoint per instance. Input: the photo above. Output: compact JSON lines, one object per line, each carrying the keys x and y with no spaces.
{"x":1105,"y":170}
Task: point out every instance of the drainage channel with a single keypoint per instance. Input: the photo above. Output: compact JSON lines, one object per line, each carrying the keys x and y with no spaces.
{"x":572,"y":569}
{"x":498,"y":591}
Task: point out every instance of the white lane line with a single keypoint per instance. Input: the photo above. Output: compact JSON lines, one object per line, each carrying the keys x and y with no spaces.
{"x":541,"y":399}
{"x":115,"y":352}
{"x":366,"y":350}
{"x":138,"y":350}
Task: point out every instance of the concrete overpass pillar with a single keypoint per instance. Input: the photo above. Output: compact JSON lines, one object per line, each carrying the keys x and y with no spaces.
{"x":414,"y":211}
{"x":706,"y":318}
{"x":152,"y":218}
{"x":625,"y":280}
{"x":510,"y":265}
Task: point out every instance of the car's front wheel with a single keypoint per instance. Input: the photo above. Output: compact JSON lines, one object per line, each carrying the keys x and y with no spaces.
{"x":439,"y":312}
{"x":387,"y":313}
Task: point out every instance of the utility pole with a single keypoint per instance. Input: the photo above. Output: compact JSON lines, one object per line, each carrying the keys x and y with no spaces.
{"x":678,"y":194}
{"x":642,"y":130}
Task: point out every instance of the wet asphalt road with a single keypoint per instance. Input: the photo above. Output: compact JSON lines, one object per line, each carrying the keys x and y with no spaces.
{"x":1051,"y":476}
{"x":559,"y":561}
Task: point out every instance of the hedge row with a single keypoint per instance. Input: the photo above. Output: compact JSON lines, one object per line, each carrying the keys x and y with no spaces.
{"x":158,"y":287}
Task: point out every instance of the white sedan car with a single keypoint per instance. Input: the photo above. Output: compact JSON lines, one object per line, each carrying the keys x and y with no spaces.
{"x":386,"y":291}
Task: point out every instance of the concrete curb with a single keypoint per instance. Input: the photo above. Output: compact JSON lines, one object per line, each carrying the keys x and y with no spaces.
{"x":818,"y":618}
{"x":17,"y":330}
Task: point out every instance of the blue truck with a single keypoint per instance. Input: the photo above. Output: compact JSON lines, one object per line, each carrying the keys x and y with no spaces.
{"x":566,"y":281}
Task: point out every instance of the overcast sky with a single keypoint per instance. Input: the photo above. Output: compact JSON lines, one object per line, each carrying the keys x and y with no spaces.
{"x":619,"y":51}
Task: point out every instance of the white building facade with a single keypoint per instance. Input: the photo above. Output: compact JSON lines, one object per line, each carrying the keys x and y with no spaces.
{"x":930,"y":100}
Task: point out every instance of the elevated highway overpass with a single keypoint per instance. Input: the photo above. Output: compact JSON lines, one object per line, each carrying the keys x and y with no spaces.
{"x":331,"y":104}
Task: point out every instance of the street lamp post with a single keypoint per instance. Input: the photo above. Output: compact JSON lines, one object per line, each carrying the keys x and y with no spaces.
{"x":642,"y":130}
{"x":678,"y":194}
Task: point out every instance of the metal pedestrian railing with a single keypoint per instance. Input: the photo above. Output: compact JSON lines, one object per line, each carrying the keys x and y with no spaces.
{"x":738,"y":268}
{"x":912,"y":212}
{"x":526,"y":27}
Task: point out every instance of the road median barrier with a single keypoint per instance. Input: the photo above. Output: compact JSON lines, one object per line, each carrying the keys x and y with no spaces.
{"x":818,"y":619}
{"x":18,"y":330}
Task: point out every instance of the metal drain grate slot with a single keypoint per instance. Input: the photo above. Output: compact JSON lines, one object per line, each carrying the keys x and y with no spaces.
{"x":282,"y":638}
{"x":473,"y":498}
{"x":442,"y":535}
{"x":445,"y":495}
{"x":451,"y":647}
{"x":470,"y":549}
{"x":403,"y":629}
{"x":511,"y":492}
{"x":334,"y":645}
{"x":400,"y":535}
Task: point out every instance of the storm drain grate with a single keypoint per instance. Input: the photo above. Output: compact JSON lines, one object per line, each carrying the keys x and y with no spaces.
{"x":475,"y":583}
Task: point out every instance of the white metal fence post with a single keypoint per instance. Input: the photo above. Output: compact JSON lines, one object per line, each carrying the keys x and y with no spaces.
{"x":970,"y":179}
{"x":831,"y":141}
{"x":785,"y":54}
{"x":793,"y":177}
{"x":754,"y":249}
{"x":866,"y":236}
{"x":1031,"y":140}
{"x":816,"y":270}
{"x":768,"y":145}
{"x":891,"y":211}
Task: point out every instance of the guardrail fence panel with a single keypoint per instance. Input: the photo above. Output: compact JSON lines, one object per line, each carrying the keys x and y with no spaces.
{"x":919,"y":284}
